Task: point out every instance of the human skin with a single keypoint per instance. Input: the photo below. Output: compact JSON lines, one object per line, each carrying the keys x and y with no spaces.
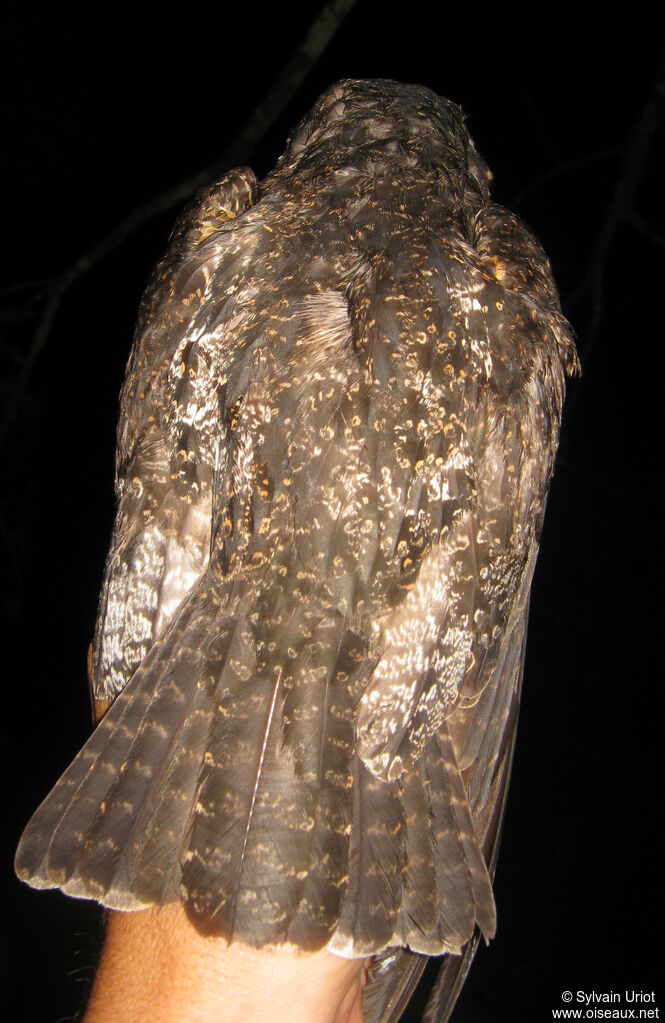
{"x":157,"y":968}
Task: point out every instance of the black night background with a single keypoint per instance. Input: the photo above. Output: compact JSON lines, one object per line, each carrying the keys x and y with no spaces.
{"x":104,"y":108}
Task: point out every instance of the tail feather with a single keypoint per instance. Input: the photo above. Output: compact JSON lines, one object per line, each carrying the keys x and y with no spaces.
{"x":416,"y":872}
{"x":277,"y":768}
{"x":234,"y":876}
{"x":83,"y":836}
{"x":200,"y":786}
{"x":420,"y":905}
{"x":172,"y":737}
{"x":370,"y":914}
{"x":108,"y":858}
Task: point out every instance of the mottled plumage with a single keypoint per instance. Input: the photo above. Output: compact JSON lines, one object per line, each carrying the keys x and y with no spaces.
{"x":336,"y":437}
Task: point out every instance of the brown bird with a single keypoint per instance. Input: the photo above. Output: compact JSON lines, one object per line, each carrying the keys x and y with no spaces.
{"x":337,"y":433}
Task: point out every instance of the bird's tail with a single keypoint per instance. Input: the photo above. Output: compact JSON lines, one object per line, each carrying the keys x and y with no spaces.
{"x":214,"y":781}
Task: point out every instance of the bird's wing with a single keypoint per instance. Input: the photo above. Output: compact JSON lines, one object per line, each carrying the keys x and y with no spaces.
{"x":161,"y":538}
{"x":483,"y":729}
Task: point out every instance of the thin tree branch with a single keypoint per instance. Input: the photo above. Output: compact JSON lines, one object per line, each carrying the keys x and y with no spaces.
{"x":622,"y":205}
{"x":280,"y":93}
{"x":560,"y":170}
{"x":23,"y":286}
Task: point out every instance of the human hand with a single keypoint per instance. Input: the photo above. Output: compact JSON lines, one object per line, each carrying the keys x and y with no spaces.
{"x":157,"y":968}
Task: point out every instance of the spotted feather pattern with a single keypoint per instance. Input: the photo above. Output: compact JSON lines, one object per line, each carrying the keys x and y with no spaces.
{"x":337,"y":432}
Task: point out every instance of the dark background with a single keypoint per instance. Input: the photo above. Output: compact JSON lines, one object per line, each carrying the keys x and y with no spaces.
{"x":104,"y":108}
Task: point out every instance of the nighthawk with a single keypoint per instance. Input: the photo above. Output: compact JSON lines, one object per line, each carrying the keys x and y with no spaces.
{"x":337,"y":432}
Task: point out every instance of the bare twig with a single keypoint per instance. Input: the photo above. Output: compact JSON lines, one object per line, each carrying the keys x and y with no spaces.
{"x":621,"y":209}
{"x":303,"y":59}
{"x":561,"y":169}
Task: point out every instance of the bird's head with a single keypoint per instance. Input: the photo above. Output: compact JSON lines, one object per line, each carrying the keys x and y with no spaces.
{"x":378,"y":123}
